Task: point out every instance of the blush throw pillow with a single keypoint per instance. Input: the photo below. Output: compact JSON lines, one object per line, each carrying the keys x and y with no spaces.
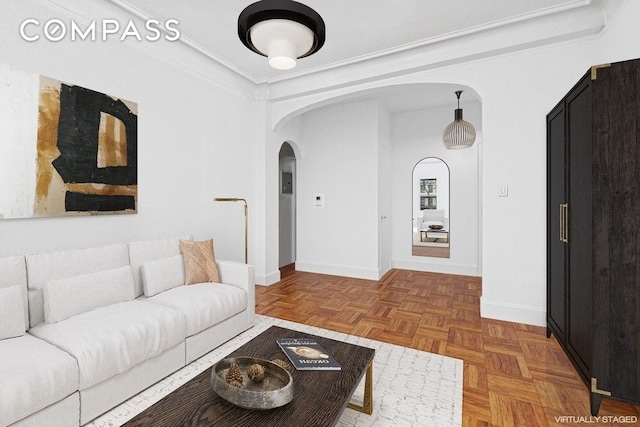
{"x":12,"y":312}
{"x":199,"y":262}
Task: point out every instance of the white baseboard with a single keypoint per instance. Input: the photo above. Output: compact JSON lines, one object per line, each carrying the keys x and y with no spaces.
{"x":268,"y":279}
{"x":434,"y":267}
{"x":513,"y":312}
{"x":338,"y":270}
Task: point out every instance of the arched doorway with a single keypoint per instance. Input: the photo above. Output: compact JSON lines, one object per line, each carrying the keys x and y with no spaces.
{"x":408,"y":123}
{"x":287,"y":208}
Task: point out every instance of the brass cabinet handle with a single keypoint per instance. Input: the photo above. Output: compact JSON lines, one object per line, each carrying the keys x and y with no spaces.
{"x":564,"y":222}
{"x":561,"y":222}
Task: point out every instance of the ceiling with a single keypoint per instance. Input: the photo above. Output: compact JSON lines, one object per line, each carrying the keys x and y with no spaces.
{"x":357,"y":30}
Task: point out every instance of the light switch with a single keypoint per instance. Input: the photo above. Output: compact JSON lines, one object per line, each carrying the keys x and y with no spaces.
{"x":318,"y":200}
{"x":503,"y":190}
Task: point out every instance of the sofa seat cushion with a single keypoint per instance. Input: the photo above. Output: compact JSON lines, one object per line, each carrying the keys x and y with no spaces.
{"x":203,"y":304}
{"x":110,"y":340}
{"x":33,"y":375}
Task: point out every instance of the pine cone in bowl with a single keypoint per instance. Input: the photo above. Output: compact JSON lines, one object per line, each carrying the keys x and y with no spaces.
{"x":282,"y":363}
{"x":256,"y":372}
{"x":234,"y":376}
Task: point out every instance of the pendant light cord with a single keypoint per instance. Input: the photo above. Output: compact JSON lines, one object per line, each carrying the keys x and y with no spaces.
{"x":458,"y":93}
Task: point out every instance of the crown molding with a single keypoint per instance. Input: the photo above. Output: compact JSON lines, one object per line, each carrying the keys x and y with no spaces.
{"x":185,"y":55}
{"x":498,"y":40}
{"x":134,"y":11}
{"x":421,"y":44}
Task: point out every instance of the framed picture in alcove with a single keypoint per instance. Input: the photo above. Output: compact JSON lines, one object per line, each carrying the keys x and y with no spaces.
{"x":428,"y":193}
{"x":429,"y":186}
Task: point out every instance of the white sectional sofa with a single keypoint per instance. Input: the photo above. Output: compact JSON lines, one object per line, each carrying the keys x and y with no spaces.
{"x":105,"y":323}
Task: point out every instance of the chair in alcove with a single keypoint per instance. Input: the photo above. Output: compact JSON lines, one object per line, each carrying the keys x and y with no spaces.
{"x":433,"y":217}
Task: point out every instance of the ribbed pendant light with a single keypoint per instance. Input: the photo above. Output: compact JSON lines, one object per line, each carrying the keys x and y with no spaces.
{"x":460,"y":133}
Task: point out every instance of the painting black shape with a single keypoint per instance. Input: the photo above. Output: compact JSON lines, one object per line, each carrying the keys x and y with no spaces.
{"x":74,"y":201}
{"x":78,"y":139}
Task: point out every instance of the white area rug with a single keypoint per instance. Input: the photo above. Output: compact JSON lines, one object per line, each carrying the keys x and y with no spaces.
{"x":410,"y":387}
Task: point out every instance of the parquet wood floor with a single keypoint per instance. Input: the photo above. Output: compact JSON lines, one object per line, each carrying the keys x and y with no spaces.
{"x":513,"y":374}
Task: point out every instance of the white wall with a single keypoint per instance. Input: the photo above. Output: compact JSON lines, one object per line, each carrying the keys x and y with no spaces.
{"x":517,"y":90}
{"x":193,"y":141}
{"x":340,"y":145}
{"x":416,"y":135}
{"x":385,"y":190}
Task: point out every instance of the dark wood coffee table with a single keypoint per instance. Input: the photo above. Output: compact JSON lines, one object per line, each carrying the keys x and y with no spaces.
{"x":319,"y":399}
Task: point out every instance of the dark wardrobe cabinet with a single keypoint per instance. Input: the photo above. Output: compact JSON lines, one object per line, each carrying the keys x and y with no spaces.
{"x":593,"y":229}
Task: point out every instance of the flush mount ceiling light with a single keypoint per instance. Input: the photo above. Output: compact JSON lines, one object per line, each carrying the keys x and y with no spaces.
{"x":459,"y":134}
{"x":282,"y":30}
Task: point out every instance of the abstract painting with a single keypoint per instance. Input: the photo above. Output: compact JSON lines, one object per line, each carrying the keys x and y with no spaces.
{"x":71,"y":151}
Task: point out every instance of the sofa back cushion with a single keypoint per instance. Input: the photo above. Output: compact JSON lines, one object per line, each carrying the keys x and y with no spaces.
{"x":149,"y":250}
{"x":12,"y":318}
{"x":13,"y":272}
{"x":162,"y":274}
{"x":67,"y":297}
{"x":44,"y":267}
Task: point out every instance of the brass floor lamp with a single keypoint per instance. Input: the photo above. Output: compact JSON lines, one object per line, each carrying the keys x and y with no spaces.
{"x":246,"y":222}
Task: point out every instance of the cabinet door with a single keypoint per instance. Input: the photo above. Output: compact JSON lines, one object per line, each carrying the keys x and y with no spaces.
{"x":556,"y":248}
{"x":580,"y":224}
{"x":616,"y":332}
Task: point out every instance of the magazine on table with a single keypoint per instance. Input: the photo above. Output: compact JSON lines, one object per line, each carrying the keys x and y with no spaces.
{"x":307,"y":355}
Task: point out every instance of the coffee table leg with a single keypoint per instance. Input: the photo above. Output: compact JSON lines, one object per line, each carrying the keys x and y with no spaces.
{"x":367,"y":406}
